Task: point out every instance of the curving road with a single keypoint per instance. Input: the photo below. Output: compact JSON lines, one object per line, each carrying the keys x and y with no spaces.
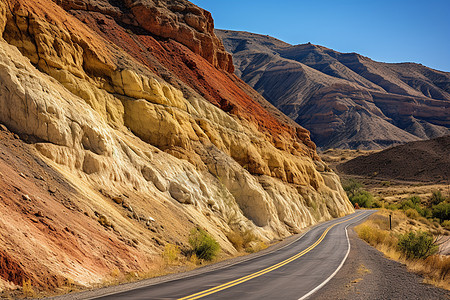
{"x":293,"y":272}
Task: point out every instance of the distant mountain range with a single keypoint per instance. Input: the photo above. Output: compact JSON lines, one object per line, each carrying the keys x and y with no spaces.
{"x":346,"y":100}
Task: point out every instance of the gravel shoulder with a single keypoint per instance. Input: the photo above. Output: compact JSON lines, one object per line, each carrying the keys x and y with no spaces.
{"x":368,"y":274}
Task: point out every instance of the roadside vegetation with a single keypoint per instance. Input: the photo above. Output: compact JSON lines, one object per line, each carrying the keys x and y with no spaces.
{"x":411,"y":242}
{"x":358,"y":196}
{"x":419,"y":226}
{"x":204,"y":246}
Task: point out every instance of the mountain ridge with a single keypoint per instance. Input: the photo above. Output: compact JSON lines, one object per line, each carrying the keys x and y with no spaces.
{"x":330,"y":93}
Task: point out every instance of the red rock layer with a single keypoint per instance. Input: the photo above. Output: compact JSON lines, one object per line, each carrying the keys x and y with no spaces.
{"x":221,"y":88}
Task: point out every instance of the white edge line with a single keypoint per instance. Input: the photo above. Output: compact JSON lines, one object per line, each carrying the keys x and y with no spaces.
{"x":338,"y":268}
{"x":119,"y":290}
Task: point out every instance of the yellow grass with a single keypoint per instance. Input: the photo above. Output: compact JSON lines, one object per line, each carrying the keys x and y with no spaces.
{"x":375,"y":231}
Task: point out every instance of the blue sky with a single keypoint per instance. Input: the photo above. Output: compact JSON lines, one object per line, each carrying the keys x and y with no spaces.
{"x":384,"y":30}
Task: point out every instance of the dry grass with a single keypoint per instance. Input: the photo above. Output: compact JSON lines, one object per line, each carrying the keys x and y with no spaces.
{"x":245,"y":241}
{"x":236,"y":240}
{"x":375,"y":231}
{"x":171,"y":254}
{"x":27,"y":289}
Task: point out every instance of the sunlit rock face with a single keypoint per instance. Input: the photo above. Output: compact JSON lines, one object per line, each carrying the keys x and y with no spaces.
{"x":135,"y":105}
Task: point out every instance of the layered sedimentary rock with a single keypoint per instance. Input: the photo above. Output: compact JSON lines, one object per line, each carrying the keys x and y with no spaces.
{"x":135,"y":106}
{"x":346,"y":100}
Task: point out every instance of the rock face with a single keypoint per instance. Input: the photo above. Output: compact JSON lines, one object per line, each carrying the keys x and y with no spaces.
{"x":132,"y":104}
{"x":346,"y":100}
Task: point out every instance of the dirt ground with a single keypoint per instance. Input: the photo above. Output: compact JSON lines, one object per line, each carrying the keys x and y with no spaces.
{"x":368,"y":274}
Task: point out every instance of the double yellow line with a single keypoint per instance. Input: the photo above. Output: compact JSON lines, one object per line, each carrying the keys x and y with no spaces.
{"x":264,"y":271}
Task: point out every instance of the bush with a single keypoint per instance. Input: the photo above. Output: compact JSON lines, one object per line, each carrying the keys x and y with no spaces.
{"x":417,"y":245}
{"x":352,"y":187}
{"x":437,"y":198}
{"x":171,"y":253}
{"x":446,"y":224}
{"x":363,"y":198}
{"x":203,"y":244}
{"x":236,"y":239}
{"x":412,"y":213}
{"x":357,"y":195}
{"x":441,"y":211}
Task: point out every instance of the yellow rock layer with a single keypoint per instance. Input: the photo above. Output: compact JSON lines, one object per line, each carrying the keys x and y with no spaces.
{"x":126,"y":130}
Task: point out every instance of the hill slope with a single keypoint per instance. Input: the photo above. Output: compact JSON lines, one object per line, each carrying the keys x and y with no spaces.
{"x":134,"y":130}
{"x":422,"y":161}
{"x":346,"y":100}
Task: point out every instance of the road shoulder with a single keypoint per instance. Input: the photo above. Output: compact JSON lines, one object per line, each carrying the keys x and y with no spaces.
{"x":368,"y":274}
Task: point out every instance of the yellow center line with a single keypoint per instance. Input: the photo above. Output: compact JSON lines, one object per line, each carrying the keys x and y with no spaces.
{"x":264,"y":271}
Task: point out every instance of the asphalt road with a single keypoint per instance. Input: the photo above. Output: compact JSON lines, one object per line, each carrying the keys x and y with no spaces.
{"x":292,"y":272}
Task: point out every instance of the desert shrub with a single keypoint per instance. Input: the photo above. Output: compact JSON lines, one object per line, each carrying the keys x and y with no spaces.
{"x":392,"y":206}
{"x":256,"y":247}
{"x":441,"y":211}
{"x":412,"y":213}
{"x":236,"y":240}
{"x":357,"y":195}
{"x":352,"y":187}
{"x":414,"y":202}
{"x":363,"y":198}
{"x":425,"y":212}
{"x":436,"y":198}
{"x":417,"y":245}
{"x":203,"y":244}
{"x":377,"y":204}
{"x":446,"y":224}
{"x":248,"y":237}
{"x":193,"y":259}
{"x":171,"y":253}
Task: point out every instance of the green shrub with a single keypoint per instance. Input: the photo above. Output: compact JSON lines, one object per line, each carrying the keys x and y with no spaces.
{"x":426,"y":212}
{"x":352,"y":187}
{"x":203,"y":244}
{"x":415,"y":200}
{"x":446,"y":224}
{"x":377,"y":204}
{"x":417,"y":245}
{"x":363,"y":198}
{"x":437,"y":198}
{"x":441,"y":211}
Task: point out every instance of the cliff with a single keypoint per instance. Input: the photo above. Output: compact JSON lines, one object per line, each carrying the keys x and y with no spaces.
{"x":346,"y":100}
{"x":125,"y":128}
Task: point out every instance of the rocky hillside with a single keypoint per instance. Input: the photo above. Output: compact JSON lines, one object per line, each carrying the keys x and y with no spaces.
{"x":346,"y":100}
{"x":123,"y":128}
{"x":421,"y":161}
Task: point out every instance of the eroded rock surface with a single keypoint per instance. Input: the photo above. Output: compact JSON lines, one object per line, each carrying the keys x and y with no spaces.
{"x":142,"y":117}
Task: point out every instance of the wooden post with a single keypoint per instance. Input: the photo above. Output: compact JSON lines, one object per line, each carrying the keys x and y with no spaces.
{"x":390,"y":221}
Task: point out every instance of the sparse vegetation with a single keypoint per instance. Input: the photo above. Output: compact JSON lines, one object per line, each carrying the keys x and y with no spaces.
{"x":204,"y":246}
{"x":437,"y":198}
{"x":441,"y":211}
{"x":258,"y":246}
{"x":27,"y":289}
{"x":357,"y":194}
{"x":171,"y":253}
{"x":417,"y":244}
{"x":416,"y":248}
